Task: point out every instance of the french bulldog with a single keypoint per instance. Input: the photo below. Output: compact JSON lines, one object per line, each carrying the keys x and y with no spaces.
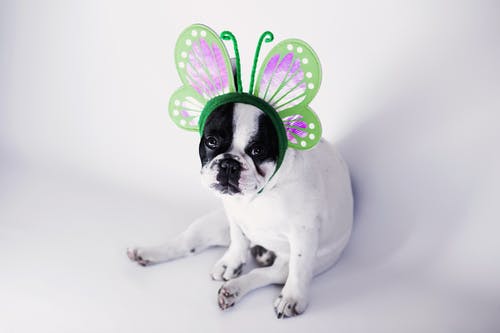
{"x":295,"y":222}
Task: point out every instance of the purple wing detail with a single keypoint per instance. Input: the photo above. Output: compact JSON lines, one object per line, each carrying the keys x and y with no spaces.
{"x":192,"y":78}
{"x":221,"y":67}
{"x":198,"y":72}
{"x":268,"y":73}
{"x":283,"y":83}
{"x":279,"y":75}
{"x":206,"y":70}
{"x":209,"y":58}
{"x":295,"y":127}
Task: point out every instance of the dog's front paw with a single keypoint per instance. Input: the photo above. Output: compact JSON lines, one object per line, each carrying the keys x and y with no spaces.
{"x":228,"y":294}
{"x":142,"y":256}
{"x":227,"y":268}
{"x":290,"y":304}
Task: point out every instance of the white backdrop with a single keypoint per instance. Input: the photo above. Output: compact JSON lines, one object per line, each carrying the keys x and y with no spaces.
{"x":90,"y":163}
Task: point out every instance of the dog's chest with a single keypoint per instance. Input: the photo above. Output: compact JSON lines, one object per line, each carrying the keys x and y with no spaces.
{"x":263,"y":221}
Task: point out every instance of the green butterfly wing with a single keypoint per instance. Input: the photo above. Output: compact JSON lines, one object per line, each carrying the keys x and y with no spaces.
{"x":204,"y":68}
{"x":302,"y":125}
{"x":185,"y":108}
{"x":289,"y":79}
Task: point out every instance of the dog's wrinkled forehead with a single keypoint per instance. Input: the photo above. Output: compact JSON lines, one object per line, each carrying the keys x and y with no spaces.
{"x":238,"y":128}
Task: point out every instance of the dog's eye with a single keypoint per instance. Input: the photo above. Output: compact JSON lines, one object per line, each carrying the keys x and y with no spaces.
{"x":211,"y":142}
{"x":256,"y":151}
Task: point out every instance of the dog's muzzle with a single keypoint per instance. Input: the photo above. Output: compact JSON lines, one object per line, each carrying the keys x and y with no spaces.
{"x":228,"y":176}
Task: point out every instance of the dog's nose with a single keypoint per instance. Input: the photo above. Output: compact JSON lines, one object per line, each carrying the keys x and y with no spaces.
{"x":230,"y":165}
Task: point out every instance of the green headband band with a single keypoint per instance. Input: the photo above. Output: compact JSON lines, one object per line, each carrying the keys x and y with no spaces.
{"x":245,"y":98}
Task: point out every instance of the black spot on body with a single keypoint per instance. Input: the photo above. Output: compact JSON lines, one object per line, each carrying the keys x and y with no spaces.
{"x":193,"y":250}
{"x":258,"y":252}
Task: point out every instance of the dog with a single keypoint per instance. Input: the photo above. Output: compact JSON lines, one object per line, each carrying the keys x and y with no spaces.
{"x":295,"y":222}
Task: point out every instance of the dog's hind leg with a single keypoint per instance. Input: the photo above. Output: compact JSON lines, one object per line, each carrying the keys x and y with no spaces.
{"x":235,"y":289}
{"x":206,"y":231}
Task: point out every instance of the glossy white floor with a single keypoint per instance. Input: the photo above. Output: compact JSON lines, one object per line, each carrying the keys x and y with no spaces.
{"x":90,"y":164}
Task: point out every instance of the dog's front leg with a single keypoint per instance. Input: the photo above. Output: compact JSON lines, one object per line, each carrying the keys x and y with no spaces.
{"x":209,"y":230}
{"x":231,"y":264}
{"x":294,"y":296}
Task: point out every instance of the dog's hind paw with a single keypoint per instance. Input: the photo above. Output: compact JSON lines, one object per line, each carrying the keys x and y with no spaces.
{"x":140,"y":256}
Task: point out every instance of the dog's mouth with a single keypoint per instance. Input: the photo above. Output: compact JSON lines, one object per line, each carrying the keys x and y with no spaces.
{"x":228,"y":188}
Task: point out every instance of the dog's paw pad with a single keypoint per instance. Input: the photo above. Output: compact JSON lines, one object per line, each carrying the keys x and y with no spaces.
{"x":227,"y":297}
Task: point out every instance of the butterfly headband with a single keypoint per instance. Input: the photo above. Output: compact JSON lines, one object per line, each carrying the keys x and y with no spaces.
{"x":287,"y":81}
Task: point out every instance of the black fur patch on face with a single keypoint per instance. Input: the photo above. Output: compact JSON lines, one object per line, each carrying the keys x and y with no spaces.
{"x":217,"y":134}
{"x":263,"y":147}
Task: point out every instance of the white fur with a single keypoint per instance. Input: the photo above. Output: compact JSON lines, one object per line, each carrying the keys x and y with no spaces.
{"x":304,"y":214}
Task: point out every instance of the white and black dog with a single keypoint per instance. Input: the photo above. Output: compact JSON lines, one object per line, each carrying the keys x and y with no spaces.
{"x":295,"y":223}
